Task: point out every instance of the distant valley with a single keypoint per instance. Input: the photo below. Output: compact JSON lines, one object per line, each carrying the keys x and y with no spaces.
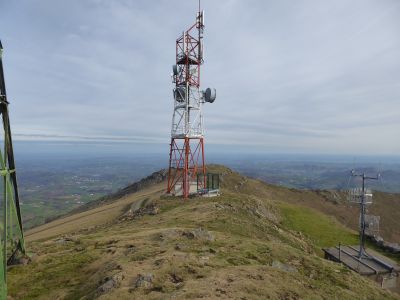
{"x":53,"y":185}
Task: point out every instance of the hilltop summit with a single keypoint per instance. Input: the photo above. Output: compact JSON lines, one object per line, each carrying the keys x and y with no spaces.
{"x":249,"y":243}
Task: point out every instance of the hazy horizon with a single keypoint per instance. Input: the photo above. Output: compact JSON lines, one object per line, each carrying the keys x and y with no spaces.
{"x":215,"y":153}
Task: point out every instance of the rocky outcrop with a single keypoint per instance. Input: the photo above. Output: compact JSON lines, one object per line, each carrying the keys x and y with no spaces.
{"x":154,"y":178}
{"x":387,"y":246}
{"x":145,"y":280}
{"x":140,"y":208}
{"x":110,"y":283}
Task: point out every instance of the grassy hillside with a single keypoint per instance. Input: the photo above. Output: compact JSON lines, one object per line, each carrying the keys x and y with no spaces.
{"x":322,"y":230}
{"x":335,"y":204}
{"x":245,"y":244}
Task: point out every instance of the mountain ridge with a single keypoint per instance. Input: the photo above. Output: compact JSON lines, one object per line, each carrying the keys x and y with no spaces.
{"x":245,"y":244}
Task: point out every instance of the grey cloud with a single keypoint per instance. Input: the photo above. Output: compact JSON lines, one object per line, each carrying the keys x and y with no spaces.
{"x":306,"y":75}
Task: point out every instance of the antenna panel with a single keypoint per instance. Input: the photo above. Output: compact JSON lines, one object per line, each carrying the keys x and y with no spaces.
{"x":355,"y":195}
{"x":372,"y":225}
{"x":180,"y":94}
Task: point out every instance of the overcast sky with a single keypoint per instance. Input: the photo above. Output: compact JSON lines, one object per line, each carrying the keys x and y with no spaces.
{"x":291,"y":76}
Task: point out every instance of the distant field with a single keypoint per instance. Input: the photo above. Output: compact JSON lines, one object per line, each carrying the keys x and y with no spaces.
{"x":320,"y":175}
{"x":54,"y":184}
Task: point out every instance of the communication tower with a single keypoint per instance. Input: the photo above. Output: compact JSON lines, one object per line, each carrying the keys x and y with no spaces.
{"x":187,"y":171}
{"x":12,"y":237}
{"x":363,"y":197}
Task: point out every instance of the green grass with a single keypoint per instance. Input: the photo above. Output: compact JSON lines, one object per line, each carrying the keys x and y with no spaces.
{"x":322,"y":230}
{"x":261,"y":247}
{"x":43,"y":277}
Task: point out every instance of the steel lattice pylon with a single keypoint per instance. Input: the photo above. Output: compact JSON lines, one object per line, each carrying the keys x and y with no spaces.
{"x":187,"y":172}
{"x":12,"y":237}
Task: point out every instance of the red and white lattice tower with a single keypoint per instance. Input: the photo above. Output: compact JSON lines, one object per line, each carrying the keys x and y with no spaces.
{"x":187,"y":171}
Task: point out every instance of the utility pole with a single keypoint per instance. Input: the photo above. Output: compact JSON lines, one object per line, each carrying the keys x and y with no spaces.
{"x":363,"y":197}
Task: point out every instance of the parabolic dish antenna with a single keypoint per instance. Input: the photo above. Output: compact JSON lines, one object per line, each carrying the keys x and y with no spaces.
{"x":210,"y":94}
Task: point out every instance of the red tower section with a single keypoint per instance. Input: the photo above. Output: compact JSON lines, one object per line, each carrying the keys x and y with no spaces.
{"x":187,"y":171}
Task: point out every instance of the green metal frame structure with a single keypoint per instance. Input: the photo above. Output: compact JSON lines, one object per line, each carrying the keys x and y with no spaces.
{"x":212,"y":182}
{"x":11,"y":231}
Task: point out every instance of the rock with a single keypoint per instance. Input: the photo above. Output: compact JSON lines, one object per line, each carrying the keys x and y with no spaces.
{"x":260,"y":210}
{"x":112,"y":241}
{"x":110,"y":283}
{"x":255,"y":276}
{"x":391,"y":247}
{"x":144,"y":281}
{"x":18,"y":258}
{"x":173,"y":234}
{"x":170,"y":234}
{"x":190,"y":269}
{"x":129,"y":249}
{"x":64,"y":240}
{"x":283,"y":267}
{"x":180,"y":247}
{"x":395,"y":249}
{"x":221,"y":291}
{"x":203,"y":260}
{"x":175,"y":278}
{"x":79,"y":248}
{"x":159,"y":262}
{"x":111,"y":250}
{"x":22,"y":260}
{"x":139,"y":209}
{"x":225,"y":206}
{"x":118,"y":267}
{"x":200,"y":234}
{"x":387,"y":246}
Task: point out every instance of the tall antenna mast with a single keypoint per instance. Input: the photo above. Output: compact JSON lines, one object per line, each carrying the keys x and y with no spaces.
{"x":187,"y":171}
{"x":363,"y":197}
{"x":12,"y":237}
